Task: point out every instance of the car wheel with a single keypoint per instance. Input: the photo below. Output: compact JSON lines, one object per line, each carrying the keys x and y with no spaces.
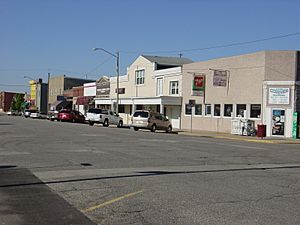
{"x":136,"y":129}
{"x":120,"y":124}
{"x":73,"y":120}
{"x":169,"y":129}
{"x":153,"y":128}
{"x":91,"y":123}
{"x":106,"y":124}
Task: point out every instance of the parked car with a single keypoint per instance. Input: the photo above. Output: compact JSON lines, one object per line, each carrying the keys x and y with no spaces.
{"x":104,"y":117}
{"x":71,"y":116}
{"x":13,"y":113}
{"x":52,"y":115}
{"x":143,"y":119}
{"x":27,"y":112}
{"x":35,"y":114}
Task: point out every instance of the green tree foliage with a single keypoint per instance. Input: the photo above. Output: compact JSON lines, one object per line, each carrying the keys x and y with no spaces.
{"x":17,"y":102}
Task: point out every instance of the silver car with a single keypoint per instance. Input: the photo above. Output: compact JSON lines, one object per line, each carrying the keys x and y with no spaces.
{"x":143,"y":119}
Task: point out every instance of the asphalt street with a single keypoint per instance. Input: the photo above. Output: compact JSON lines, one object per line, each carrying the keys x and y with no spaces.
{"x":78,"y":174}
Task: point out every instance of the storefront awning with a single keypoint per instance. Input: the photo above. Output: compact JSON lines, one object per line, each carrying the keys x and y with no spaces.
{"x":83,"y":100}
{"x":58,"y":105}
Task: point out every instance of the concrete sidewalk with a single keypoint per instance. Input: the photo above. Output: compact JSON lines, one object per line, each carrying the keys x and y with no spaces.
{"x":210,"y":134}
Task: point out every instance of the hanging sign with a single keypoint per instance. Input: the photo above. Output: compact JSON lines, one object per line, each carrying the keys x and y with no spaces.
{"x":220,"y":78}
{"x":199,"y":83}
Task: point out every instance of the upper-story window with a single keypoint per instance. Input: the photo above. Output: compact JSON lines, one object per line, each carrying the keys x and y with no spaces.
{"x":139,"y":77}
{"x":159,"y":86}
{"x":174,"y":88}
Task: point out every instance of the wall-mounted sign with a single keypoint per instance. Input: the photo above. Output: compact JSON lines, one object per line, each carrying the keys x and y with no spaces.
{"x":279,"y":96}
{"x":199,"y":82}
{"x":192,"y":102}
{"x":121,"y":90}
{"x":220,"y":78}
{"x":198,"y":93}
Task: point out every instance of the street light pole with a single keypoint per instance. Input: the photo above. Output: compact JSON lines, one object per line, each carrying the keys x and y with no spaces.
{"x":117,"y":56}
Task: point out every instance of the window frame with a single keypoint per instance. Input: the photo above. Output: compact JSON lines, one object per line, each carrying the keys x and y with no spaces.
{"x":160,"y":86}
{"x":205,"y":110}
{"x":175,"y":87}
{"x":201,"y":110}
{"x":231,"y":113}
{"x":237,"y":111}
{"x":215,"y":110}
{"x":140,"y":77}
{"x":187,"y":106}
{"x":251,"y":111}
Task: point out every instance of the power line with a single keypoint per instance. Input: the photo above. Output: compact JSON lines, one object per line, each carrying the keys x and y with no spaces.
{"x":217,"y":46}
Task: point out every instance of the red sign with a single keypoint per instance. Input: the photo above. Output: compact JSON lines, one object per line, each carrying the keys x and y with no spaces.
{"x":199,"y":82}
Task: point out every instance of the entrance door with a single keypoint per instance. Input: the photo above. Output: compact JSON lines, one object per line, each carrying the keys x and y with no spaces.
{"x":278,"y":120}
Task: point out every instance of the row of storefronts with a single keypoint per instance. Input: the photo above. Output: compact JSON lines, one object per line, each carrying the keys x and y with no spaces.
{"x":261,"y":87}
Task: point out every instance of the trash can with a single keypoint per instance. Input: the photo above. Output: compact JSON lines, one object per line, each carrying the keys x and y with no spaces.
{"x":261,"y":130}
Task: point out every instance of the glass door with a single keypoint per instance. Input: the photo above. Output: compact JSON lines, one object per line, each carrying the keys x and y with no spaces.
{"x":278,"y":120}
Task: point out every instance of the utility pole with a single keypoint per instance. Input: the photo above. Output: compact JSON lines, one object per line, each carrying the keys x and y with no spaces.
{"x":48,"y":88}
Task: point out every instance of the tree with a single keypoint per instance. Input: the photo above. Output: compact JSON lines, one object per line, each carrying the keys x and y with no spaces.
{"x":16,"y":104}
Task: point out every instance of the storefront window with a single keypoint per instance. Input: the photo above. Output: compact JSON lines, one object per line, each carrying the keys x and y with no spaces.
{"x":198,"y":109}
{"x":255,"y":110}
{"x":240,"y":108}
{"x":121,"y":108}
{"x":217,"y":109}
{"x":208,"y":110}
{"x":188,"y":109}
{"x":228,"y":110}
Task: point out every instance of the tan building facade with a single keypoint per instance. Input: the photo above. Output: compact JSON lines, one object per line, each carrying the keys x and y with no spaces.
{"x":152,"y":83}
{"x":224,"y":94}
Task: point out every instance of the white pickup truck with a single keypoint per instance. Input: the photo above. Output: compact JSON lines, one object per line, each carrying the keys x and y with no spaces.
{"x":103,"y":116}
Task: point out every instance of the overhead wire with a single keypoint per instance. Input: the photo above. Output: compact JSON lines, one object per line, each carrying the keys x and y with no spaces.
{"x":216,"y":46}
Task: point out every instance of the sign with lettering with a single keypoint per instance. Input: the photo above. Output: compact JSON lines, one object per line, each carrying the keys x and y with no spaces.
{"x":220,"y":78}
{"x":279,"y":96}
{"x":199,"y":82}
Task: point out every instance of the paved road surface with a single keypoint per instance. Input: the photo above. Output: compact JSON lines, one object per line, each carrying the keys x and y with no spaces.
{"x":119,"y":176}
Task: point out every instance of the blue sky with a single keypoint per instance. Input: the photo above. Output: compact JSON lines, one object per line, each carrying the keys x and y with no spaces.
{"x":57,"y":36}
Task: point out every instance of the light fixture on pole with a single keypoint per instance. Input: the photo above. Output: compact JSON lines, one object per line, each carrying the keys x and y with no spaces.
{"x":117,"y":56}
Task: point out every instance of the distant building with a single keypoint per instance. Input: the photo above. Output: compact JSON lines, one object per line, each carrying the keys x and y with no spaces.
{"x":5,"y":100}
{"x":42,"y":96}
{"x":60,"y":86}
{"x":38,"y":95}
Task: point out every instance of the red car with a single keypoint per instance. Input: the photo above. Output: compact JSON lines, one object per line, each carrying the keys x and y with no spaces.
{"x":71,"y":116}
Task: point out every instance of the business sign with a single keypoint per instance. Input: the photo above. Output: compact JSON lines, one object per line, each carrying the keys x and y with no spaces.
{"x":199,"y":82}
{"x":198,"y":93}
{"x":121,"y":90}
{"x":279,"y":96}
{"x":220,"y":78}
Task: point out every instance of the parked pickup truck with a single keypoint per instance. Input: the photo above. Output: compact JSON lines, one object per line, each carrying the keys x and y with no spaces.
{"x":103,"y":116}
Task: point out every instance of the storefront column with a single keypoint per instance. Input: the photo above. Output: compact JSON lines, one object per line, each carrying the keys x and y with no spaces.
{"x":133,"y":107}
{"x":161,"y":109}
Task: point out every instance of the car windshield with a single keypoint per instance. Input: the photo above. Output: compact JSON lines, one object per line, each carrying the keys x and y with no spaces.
{"x":141,"y":114}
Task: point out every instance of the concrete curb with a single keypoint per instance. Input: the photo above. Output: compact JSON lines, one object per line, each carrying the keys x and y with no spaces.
{"x":242,"y":138}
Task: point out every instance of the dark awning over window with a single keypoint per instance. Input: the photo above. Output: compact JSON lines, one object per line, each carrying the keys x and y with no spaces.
{"x":58,"y":105}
